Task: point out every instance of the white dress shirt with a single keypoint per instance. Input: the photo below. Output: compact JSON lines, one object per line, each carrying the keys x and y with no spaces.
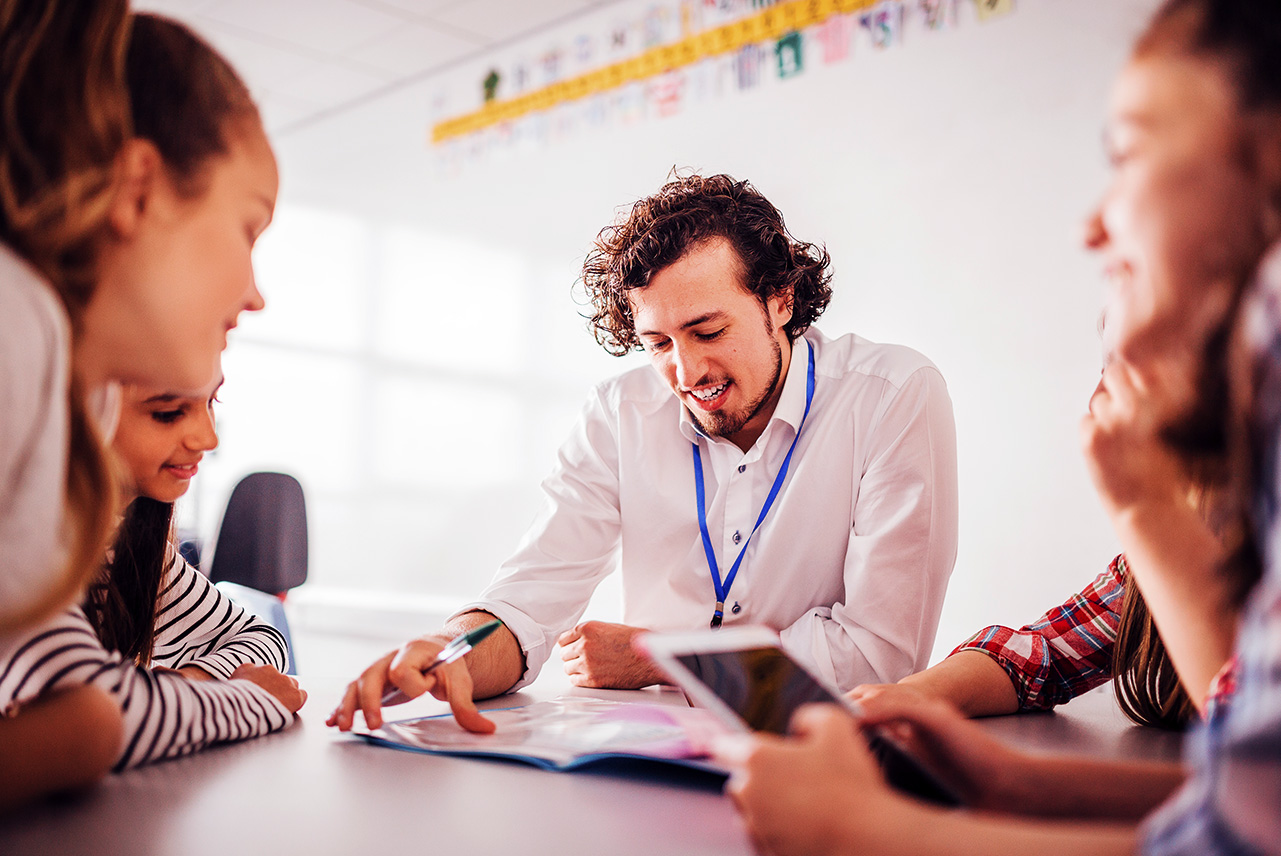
{"x":851,"y":564}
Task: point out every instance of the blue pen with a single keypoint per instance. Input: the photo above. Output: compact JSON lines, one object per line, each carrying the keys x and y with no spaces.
{"x":457,"y":647}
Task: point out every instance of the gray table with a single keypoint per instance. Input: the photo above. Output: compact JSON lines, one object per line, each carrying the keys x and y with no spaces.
{"x":310,"y":790}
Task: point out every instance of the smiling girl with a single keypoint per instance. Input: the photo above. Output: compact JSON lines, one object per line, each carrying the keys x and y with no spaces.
{"x":150,"y":606}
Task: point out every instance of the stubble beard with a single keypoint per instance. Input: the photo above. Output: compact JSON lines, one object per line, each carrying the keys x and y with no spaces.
{"x":722,"y":424}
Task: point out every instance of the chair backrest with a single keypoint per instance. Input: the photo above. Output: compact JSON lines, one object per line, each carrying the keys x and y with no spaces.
{"x":262,"y":542}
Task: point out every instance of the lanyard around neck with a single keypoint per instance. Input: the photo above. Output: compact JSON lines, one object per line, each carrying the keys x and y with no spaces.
{"x":722,"y":588}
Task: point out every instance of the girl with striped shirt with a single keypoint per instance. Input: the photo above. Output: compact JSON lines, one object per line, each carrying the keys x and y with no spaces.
{"x":154,"y":634}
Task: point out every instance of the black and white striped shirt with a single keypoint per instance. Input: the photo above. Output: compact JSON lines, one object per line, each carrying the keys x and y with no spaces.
{"x":165,"y":714}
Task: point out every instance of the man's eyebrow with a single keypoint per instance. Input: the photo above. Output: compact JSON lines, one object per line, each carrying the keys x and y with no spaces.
{"x":693,"y":322}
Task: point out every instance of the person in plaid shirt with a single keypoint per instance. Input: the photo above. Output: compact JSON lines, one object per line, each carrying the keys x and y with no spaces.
{"x":1102,"y":632}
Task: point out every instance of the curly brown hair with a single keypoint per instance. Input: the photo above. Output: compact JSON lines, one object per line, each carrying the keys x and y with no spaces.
{"x":684,"y":213}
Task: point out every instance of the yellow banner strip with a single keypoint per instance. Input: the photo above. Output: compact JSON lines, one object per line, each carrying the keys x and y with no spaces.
{"x":766,"y":25}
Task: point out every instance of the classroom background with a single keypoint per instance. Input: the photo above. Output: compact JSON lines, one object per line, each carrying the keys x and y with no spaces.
{"x":445,"y":167}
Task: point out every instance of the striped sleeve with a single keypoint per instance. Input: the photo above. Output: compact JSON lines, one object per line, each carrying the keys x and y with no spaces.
{"x":165,"y":715}
{"x":1065,"y":652}
{"x":197,"y":625}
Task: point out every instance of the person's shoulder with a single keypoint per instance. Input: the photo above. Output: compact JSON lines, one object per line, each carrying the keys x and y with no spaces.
{"x":853,"y":356}
{"x":32,"y":319}
{"x":638,"y":388}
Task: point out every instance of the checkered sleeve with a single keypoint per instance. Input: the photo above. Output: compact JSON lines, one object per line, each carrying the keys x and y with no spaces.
{"x":1065,"y":652}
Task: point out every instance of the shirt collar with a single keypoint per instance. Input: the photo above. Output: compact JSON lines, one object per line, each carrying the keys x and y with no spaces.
{"x":791,"y":402}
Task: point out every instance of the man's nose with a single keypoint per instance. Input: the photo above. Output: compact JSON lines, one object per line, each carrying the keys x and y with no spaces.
{"x":691,"y":366}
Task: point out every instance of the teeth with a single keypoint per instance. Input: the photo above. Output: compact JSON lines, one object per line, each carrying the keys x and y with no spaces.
{"x":709,"y":394}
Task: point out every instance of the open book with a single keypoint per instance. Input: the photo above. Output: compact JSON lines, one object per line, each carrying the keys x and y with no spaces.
{"x":567,"y":733}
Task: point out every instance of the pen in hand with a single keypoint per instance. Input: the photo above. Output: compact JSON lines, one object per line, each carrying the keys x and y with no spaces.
{"x":457,"y":647}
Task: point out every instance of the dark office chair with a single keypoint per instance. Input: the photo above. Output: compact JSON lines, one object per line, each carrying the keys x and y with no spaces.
{"x":262,"y":542}
{"x":261,"y":552}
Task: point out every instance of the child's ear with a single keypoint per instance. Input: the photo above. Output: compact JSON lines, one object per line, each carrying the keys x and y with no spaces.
{"x":139,"y":173}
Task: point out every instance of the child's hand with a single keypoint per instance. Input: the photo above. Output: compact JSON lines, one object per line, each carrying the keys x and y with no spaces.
{"x":283,"y":687}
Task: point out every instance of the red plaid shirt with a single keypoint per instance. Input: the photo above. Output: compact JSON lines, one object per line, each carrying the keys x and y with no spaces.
{"x":1067,"y":651}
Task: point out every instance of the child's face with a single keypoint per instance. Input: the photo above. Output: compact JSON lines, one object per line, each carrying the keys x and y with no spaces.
{"x":176,"y":273}
{"x":162,"y":436}
{"x":1179,"y":224}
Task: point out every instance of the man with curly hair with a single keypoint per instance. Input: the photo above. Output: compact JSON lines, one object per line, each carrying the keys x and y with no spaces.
{"x":758,"y":473}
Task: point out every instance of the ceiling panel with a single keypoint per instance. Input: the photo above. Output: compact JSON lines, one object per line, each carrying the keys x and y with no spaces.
{"x":413,"y":48}
{"x":326,"y":26}
{"x":306,"y":58}
{"x":504,"y":19}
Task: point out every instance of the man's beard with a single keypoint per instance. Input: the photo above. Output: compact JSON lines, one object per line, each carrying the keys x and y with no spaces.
{"x":721,"y":424}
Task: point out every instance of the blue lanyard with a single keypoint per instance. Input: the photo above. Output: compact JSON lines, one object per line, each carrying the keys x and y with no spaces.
{"x":722,"y":588}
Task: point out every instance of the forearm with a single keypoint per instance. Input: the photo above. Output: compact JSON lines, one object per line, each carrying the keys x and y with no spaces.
{"x":1055,"y":786}
{"x":496,"y":664}
{"x":1176,"y":562}
{"x":971,"y":681}
{"x":65,"y":741}
{"x":197,"y":625}
{"x":936,"y":831}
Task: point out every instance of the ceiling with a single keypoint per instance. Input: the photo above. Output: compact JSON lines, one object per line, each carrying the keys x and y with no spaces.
{"x":308,"y":59}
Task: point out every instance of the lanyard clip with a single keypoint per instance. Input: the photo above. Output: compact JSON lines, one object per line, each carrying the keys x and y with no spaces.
{"x":718,"y":614}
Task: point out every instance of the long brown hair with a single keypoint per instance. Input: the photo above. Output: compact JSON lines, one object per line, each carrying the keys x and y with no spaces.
{"x":1148,"y":689}
{"x":186,"y":99}
{"x":64,"y":117}
{"x":122,"y":605}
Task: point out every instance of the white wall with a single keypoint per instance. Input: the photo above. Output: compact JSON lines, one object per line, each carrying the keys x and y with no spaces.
{"x":422,"y":354}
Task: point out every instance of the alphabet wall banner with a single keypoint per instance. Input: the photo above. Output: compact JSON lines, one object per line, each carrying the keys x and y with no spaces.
{"x":672,"y":54}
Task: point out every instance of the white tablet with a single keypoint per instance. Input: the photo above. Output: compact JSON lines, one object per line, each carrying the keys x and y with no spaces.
{"x":749,"y":683}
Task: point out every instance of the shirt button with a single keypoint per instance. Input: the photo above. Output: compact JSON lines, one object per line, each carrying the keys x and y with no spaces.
{"x":737,"y":537}
{"x":742,"y":468}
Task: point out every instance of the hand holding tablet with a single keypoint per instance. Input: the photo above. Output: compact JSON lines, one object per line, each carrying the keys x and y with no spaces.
{"x":749,"y":683}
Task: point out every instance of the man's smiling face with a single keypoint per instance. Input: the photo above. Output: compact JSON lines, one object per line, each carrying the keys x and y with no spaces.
{"x":719,"y":349}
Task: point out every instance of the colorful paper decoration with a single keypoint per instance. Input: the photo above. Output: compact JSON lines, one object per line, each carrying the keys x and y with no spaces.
{"x":789,"y":52}
{"x":490,"y":85}
{"x":836,"y":37}
{"x":884,"y":23}
{"x":937,"y":14}
{"x":988,"y":9}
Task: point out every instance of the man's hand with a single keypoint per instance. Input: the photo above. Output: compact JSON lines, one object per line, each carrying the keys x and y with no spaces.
{"x":601,"y":655}
{"x":283,"y":687}
{"x":403,"y":670}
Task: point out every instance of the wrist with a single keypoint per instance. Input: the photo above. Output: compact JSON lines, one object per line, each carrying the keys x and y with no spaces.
{"x":1162,"y":535}
{"x":196,"y":673}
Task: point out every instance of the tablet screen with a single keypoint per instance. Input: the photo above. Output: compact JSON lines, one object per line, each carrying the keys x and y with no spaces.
{"x":762,"y":685}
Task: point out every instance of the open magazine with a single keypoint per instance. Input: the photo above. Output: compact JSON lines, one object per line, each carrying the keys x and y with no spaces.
{"x":567,"y":733}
